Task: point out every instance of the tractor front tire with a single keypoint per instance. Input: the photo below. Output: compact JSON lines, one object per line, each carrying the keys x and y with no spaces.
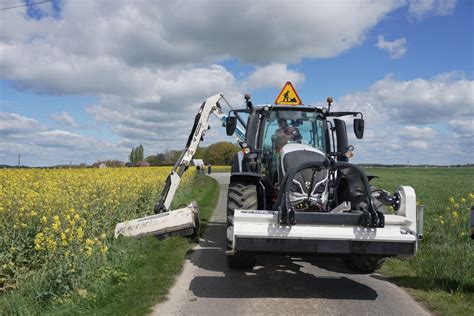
{"x":364,"y":263}
{"x":240,"y":197}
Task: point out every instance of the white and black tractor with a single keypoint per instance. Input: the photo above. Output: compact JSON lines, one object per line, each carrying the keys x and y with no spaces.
{"x":293,"y":190}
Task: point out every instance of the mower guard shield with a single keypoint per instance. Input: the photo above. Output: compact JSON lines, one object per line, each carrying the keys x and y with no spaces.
{"x":180,"y":222}
{"x":258,"y":231}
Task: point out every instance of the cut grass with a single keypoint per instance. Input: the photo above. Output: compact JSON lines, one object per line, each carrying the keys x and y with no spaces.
{"x":136,"y":275}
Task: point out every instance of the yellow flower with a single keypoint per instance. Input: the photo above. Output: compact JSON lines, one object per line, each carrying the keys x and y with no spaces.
{"x":463,"y":200}
{"x":56,"y":218}
{"x":55,"y":226}
{"x":455,"y":214}
{"x":104,"y":249}
{"x":43,"y":220}
{"x":103,"y":236}
{"x":79,"y":233}
{"x":51,"y":243}
{"x":82,"y":293}
{"x":451,"y":200}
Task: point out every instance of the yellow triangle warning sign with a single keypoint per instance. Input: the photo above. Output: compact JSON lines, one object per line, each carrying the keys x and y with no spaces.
{"x":288,"y":96}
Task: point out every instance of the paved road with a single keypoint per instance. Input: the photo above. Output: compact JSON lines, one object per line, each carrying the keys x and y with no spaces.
{"x":277,"y":285}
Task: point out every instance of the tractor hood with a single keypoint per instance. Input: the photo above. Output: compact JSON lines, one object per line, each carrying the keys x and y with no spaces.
{"x":293,"y":155}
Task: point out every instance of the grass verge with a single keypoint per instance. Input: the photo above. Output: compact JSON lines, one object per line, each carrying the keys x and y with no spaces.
{"x":136,"y":274}
{"x":218,"y":169}
{"x":441,"y":275}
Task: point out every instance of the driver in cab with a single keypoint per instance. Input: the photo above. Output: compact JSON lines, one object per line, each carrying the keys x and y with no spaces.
{"x":285,"y":134}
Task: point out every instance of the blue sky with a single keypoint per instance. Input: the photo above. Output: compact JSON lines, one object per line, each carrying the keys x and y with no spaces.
{"x":88,"y":81}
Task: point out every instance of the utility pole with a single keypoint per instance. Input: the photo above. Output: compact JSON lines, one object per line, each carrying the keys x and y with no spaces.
{"x":19,"y":159}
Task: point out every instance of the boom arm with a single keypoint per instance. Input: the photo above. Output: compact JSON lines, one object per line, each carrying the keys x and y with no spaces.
{"x":201,"y":125}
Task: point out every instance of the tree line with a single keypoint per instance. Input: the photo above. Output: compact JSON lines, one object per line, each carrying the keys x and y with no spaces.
{"x":220,"y":153}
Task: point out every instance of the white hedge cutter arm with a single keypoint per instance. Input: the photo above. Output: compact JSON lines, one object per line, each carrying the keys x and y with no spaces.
{"x":183,"y":221}
{"x":201,"y":125}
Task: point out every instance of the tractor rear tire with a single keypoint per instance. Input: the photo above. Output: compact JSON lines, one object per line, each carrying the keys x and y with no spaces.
{"x":364,"y":263}
{"x":240,"y":197}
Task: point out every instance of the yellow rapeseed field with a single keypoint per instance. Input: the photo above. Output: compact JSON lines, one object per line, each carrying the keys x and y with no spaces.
{"x":64,"y":216}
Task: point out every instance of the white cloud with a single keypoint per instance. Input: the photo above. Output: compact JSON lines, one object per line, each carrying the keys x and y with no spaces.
{"x":425,"y":8}
{"x":166,"y":120}
{"x":417,"y":144}
{"x":150,"y":64}
{"x":65,"y":119}
{"x":104,"y":47}
{"x":273,"y":75}
{"x":41,"y":146}
{"x":416,"y":132}
{"x":415,"y":101}
{"x":396,"y":49}
{"x":11,"y":123}
{"x":462,"y":126}
{"x":406,"y":120}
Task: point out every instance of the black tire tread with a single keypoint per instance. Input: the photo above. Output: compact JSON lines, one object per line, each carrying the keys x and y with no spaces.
{"x":240,"y":196}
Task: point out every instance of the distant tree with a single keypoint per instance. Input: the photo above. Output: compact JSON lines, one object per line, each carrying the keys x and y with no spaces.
{"x":220,"y":153}
{"x":136,"y":155}
{"x":140,"y":153}
{"x":171,"y":156}
{"x":200,"y":152}
{"x":131,"y":157}
{"x":161,"y":158}
{"x":153,"y":160}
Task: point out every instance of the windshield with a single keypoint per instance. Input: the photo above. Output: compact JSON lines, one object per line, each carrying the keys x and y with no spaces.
{"x":285,"y":126}
{"x":290,"y":126}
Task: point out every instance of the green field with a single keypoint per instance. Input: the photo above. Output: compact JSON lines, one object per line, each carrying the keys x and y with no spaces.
{"x":442,"y":273}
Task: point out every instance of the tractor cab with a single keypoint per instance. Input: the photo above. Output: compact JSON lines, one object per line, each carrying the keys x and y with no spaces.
{"x":281,"y":127}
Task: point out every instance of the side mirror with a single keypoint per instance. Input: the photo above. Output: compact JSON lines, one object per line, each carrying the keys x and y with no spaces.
{"x":341,"y":137}
{"x":230,"y":125}
{"x":359,"y":128}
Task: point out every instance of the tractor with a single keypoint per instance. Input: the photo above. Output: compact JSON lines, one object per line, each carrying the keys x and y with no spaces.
{"x":293,"y":190}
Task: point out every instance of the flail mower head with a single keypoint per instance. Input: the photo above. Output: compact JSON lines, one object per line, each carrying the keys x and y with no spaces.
{"x":181,"y":222}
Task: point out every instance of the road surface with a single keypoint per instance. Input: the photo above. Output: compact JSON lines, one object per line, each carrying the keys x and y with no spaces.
{"x":278,"y":285}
